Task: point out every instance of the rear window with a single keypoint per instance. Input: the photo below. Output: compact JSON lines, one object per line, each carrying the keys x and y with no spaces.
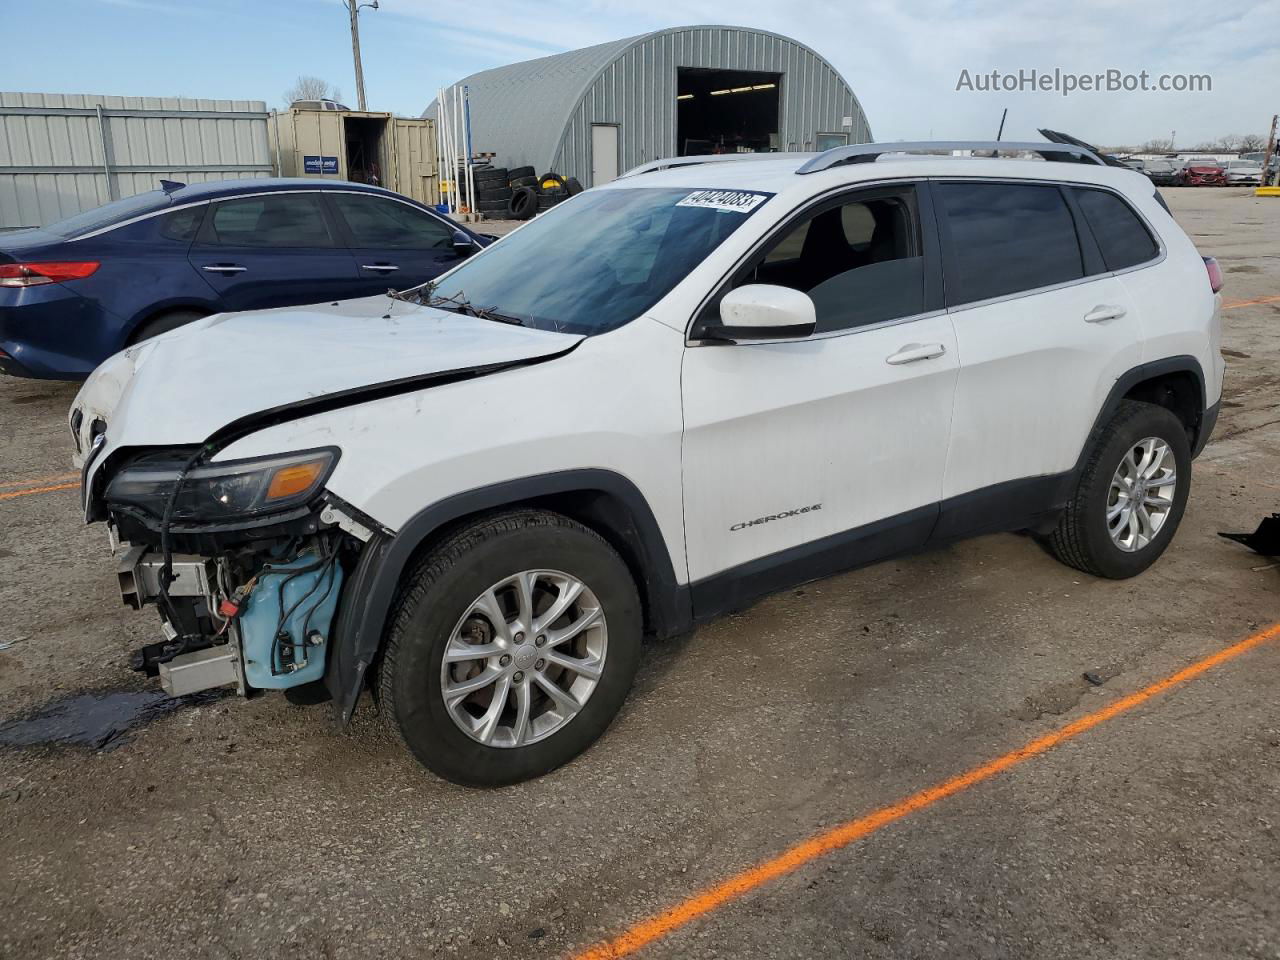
{"x":1121,"y":235}
{"x":1006,"y":238}
{"x":110,"y":214}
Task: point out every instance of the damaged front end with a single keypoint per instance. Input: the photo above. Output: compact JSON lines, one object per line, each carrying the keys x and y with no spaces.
{"x":245,"y":561}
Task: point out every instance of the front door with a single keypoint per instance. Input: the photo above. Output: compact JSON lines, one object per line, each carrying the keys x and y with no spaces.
{"x":395,"y":245}
{"x":272,"y":250}
{"x":807,"y":456}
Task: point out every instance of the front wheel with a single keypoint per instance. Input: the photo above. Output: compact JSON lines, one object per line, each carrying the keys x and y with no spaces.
{"x":1130,"y":496}
{"x":513,"y":648}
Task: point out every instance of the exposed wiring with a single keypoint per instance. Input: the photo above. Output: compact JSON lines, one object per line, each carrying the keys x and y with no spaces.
{"x":328,"y":558}
{"x":166,"y":549}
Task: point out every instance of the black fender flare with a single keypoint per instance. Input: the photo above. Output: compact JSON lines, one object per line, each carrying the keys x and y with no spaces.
{"x":1184,"y":363}
{"x":374,"y":584}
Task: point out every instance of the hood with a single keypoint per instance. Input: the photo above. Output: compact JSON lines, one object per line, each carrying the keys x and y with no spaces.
{"x":181,"y":387}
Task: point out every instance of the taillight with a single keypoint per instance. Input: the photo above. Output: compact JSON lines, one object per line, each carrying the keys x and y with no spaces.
{"x":34,"y":274}
{"x":1215,"y":274}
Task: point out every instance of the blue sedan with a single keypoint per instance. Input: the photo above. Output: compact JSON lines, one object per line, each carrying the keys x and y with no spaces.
{"x":74,"y":293}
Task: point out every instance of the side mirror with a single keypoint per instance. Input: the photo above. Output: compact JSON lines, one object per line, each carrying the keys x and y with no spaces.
{"x":463,"y":245}
{"x":763,"y":311}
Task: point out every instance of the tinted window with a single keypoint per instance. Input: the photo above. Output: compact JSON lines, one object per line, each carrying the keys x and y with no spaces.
{"x":111,"y":213}
{"x":1121,"y":236}
{"x":182,"y":224}
{"x":860,"y":262}
{"x":269,"y":220}
{"x":378,"y":222}
{"x":1006,"y":238}
{"x":602,"y":258}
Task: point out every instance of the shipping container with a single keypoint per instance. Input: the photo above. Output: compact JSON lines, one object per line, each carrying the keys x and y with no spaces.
{"x":398,"y":153}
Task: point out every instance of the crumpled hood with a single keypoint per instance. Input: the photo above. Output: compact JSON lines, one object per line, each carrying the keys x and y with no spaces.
{"x":181,"y":387}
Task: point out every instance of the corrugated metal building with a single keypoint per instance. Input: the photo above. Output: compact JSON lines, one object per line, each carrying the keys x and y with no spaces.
{"x":596,"y":112}
{"x":63,"y":153}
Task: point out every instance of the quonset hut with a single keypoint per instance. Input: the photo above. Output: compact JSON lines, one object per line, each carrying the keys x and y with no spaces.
{"x":596,"y":112}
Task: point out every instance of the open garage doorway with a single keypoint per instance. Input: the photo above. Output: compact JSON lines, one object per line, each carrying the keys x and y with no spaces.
{"x":726,"y":111}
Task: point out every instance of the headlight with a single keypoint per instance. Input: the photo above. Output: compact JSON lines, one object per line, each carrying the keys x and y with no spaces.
{"x":231,"y":490}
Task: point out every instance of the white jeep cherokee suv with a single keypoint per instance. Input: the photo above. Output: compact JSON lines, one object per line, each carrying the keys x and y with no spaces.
{"x":709,"y":380}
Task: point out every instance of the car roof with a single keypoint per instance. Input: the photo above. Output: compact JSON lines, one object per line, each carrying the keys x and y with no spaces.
{"x":779,"y":175}
{"x":212,"y":189}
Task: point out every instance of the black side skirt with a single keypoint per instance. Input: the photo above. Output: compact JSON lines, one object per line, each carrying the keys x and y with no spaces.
{"x":1032,"y":503}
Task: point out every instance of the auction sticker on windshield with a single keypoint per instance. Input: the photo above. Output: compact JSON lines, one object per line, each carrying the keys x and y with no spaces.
{"x":731,"y":201}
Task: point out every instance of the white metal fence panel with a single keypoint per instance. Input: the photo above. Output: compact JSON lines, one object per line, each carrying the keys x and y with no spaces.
{"x":63,"y":153}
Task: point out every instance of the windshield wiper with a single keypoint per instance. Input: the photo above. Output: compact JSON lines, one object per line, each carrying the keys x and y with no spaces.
{"x":460,"y":304}
{"x":413,"y":295}
{"x":457,"y":303}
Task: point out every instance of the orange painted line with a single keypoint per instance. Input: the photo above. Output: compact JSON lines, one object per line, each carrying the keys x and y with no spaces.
{"x":27,"y":493}
{"x":1248,"y":303}
{"x":59,"y":478}
{"x":658,"y":926}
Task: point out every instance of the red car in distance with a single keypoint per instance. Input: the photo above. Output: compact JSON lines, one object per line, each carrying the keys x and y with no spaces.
{"x":1201,"y":175}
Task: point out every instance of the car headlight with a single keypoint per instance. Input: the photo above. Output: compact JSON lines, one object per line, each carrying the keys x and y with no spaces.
{"x":231,"y":490}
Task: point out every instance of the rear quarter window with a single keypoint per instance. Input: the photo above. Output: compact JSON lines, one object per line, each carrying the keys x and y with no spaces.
{"x":1122,"y":237}
{"x":182,"y":224}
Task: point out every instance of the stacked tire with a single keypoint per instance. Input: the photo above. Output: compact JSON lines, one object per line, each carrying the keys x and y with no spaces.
{"x":493,"y":192}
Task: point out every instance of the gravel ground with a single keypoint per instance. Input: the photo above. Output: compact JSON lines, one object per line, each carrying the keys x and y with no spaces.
{"x":223,"y":828}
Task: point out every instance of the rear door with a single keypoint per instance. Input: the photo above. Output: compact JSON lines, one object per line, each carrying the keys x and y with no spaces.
{"x":394,"y":244}
{"x":1043,"y":329}
{"x":273,"y":250}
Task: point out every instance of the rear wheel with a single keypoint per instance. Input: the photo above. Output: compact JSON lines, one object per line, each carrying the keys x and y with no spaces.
{"x":512,"y":649}
{"x":164,"y":323}
{"x":1131,"y":494}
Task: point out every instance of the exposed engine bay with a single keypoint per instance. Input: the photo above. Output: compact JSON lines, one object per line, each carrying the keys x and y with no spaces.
{"x":256,"y":617}
{"x":244,"y":560}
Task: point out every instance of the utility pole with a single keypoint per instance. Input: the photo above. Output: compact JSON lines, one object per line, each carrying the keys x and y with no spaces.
{"x":1271,"y":149}
{"x":353,"y":8}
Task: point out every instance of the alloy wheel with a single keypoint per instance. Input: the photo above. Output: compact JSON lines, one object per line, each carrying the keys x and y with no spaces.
{"x":1141,"y":495}
{"x":524,"y":659}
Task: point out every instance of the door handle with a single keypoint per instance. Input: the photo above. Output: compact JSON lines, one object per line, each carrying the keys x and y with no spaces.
{"x":916,"y":351}
{"x":224,"y":268}
{"x":382,"y":267}
{"x":1101,"y":313}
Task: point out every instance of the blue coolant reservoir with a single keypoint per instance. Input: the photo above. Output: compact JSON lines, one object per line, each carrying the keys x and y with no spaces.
{"x":284,"y":630}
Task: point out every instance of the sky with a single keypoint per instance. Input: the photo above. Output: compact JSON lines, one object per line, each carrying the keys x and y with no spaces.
{"x":903,"y":58}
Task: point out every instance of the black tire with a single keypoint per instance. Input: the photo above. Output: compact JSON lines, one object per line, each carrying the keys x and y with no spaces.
{"x":524,"y":204}
{"x":164,"y":323}
{"x":493,"y":173}
{"x":547,"y":201}
{"x":1082,"y":539}
{"x":438,"y":593}
{"x":573,"y":186}
{"x":552,"y":182}
{"x":494,"y":193}
{"x":497,"y":208}
{"x":519,"y":173}
{"x":523,"y":182}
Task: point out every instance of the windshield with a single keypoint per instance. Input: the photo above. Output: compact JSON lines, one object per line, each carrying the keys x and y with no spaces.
{"x":600,"y":260}
{"x":110,"y":213}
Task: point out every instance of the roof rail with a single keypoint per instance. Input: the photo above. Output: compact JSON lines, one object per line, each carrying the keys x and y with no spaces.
{"x":868,"y":152}
{"x":672,"y":162}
